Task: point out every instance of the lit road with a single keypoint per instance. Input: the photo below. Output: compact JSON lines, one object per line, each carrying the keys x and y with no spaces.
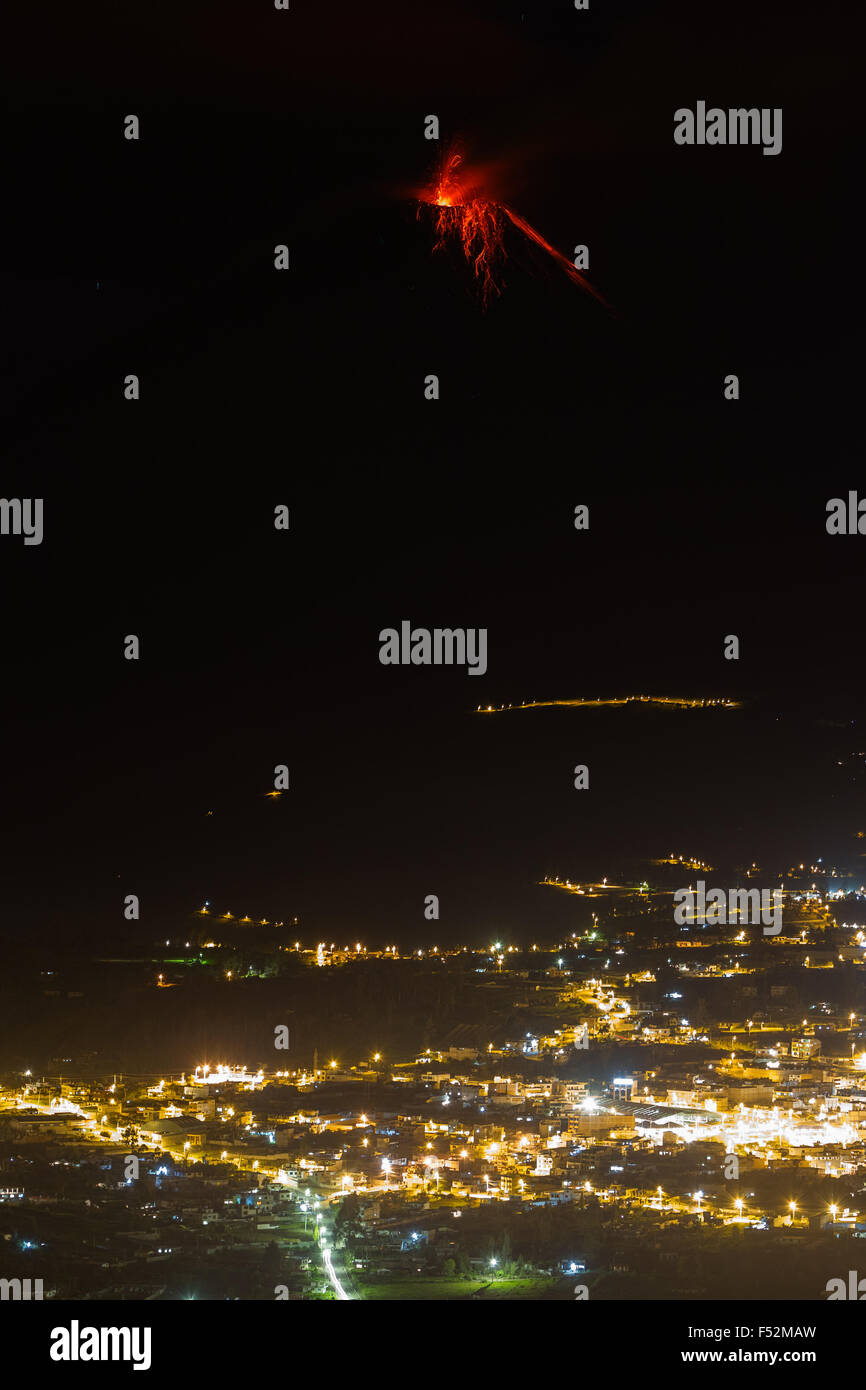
{"x":678,"y":702}
{"x":332,"y":1275}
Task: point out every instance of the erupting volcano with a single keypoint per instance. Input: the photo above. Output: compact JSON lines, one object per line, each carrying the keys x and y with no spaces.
{"x":465,"y":215}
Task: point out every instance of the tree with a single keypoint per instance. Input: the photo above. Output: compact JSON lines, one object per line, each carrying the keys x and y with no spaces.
{"x":348,"y":1219}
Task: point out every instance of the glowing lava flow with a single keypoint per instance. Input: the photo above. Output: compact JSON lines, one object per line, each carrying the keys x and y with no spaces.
{"x":478,"y":224}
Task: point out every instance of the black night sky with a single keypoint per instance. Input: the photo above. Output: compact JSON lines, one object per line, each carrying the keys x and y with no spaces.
{"x":260,"y":647}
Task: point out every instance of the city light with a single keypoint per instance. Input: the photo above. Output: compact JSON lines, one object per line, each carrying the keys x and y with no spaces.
{"x":746,"y":1093}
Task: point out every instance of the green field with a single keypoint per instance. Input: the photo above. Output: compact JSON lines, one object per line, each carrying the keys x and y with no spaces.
{"x":418,"y":1288}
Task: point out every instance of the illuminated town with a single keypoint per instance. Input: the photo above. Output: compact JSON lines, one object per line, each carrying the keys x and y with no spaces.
{"x":641,"y":1101}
